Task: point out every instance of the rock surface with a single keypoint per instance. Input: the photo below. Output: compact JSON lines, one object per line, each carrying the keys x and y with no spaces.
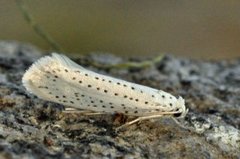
{"x":34,"y":128}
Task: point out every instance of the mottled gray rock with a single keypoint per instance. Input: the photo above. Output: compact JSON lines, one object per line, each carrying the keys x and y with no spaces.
{"x":34,"y":128}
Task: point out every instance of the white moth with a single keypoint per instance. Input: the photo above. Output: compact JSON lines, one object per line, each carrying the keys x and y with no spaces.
{"x":56,"y":78}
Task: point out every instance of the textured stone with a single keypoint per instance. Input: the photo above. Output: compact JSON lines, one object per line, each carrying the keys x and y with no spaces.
{"x":34,"y":128}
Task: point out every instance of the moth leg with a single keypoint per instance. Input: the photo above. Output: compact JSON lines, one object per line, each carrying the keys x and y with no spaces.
{"x":74,"y":110}
{"x":70,"y":109}
{"x":139,"y":119}
{"x":162,"y":113}
{"x":179,"y":124}
{"x":95,"y":113}
{"x":84,"y":112}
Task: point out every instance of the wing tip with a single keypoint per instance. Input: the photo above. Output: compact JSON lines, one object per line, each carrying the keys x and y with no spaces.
{"x":32,"y":71}
{"x":35,"y":70}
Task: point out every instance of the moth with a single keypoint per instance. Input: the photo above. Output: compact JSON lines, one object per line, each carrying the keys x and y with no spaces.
{"x":58,"y":79}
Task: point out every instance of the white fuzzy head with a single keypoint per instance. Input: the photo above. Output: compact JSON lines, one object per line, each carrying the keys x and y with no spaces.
{"x":170,"y":104}
{"x":180,"y":105}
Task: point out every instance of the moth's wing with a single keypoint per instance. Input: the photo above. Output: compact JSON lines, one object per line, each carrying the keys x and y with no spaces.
{"x":59,"y":79}
{"x":47,"y":78}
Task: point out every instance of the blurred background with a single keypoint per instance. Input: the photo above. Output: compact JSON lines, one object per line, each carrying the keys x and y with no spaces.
{"x":205,"y":29}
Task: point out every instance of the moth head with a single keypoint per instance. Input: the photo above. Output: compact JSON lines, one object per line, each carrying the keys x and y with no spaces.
{"x":181,"y":108}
